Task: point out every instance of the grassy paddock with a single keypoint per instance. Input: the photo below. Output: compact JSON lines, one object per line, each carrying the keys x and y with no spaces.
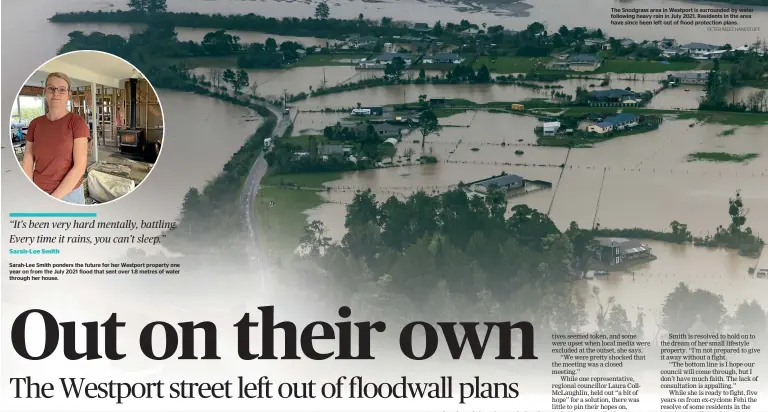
{"x":641,"y":67}
{"x":721,"y":157}
{"x":316,"y":60}
{"x":311,"y":180}
{"x":510,"y":64}
{"x":283,"y":223}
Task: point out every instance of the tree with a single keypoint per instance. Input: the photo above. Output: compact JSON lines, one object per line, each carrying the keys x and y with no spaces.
{"x":270,"y":45}
{"x":750,"y":318}
{"x":685,"y":308}
{"x":314,"y":242}
{"x":362,"y":210}
{"x":241,"y":81}
{"x":428,"y":125}
{"x":156,"y":6}
{"x":322,"y":11}
{"x":395,"y":68}
{"x":228,"y":77}
{"x":137,"y":5}
{"x":715,"y":89}
{"x":483,"y":75}
{"x":254,"y":89}
{"x":738,"y":214}
{"x":215,"y":76}
{"x":680,"y":232}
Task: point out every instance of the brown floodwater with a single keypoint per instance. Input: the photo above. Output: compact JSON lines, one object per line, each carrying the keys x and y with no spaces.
{"x":591,"y":13}
{"x":636,"y":181}
{"x":677,"y":98}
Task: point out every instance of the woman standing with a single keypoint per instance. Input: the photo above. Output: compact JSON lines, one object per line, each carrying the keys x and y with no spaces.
{"x":57,"y":145}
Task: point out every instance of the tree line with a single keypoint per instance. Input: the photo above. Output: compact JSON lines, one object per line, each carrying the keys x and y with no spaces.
{"x":437,"y":256}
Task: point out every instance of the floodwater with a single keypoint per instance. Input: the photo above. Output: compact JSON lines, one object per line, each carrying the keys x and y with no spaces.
{"x":641,"y":181}
{"x":648,"y":183}
{"x":512,"y":15}
{"x":592,"y":13}
{"x":273,"y":83}
{"x":683,"y":97}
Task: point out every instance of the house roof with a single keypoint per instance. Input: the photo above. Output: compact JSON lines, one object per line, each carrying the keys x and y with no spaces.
{"x":699,"y":74}
{"x":444,"y":56}
{"x":611,"y":93}
{"x":331,"y":149}
{"x":590,"y":58}
{"x":619,"y":118}
{"x":699,"y":46}
{"x":386,"y":57}
{"x":366,"y":39}
{"x":503,"y":180}
{"x":386,"y":127}
{"x":551,"y":124}
{"x":391,"y":141}
{"x":626,"y":245}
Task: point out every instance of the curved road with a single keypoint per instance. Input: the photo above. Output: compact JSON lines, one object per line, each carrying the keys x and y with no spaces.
{"x":251,"y":188}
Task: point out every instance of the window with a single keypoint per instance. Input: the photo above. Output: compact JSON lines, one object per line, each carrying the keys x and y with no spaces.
{"x":618,"y":259}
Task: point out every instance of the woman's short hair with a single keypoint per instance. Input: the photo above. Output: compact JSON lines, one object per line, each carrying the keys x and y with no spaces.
{"x":61,"y":76}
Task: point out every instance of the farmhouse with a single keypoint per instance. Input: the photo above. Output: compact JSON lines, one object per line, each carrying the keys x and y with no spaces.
{"x":421,"y":28}
{"x":698,"y":48}
{"x":550,"y":128}
{"x":614,"y":251}
{"x":505,"y":182}
{"x":443,"y":58}
{"x":331,"y":150}
{"x":584,"y":62}
{"x":387,"y":130}
{"x":361,"y":42}
{"x":387,"y":58}
{"x":368,"y":111}
{"x":612,"y":97}
{"x":619,"y":122}
{"x":577,"y":63}
{"x":691,"y":77}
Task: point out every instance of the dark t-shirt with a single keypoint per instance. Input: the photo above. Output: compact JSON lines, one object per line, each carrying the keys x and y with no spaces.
{"x":52,"y":149}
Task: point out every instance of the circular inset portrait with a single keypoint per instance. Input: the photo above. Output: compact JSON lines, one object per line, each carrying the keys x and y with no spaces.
{"x":87,"y":127}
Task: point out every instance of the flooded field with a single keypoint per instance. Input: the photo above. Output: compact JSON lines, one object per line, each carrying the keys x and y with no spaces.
{"x":592,"y":13}
{"x":684,"y":97}
{"x":512,"y":15}
{"x":648,"y":181}
{"x":636,"y":181}
{"x":273,"y":83}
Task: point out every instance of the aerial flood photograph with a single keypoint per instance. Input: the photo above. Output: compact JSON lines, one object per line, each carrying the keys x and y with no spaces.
{"x":488,"y":157}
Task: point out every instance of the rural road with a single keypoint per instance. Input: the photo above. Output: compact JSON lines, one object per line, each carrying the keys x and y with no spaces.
{"x":251,"y":189}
